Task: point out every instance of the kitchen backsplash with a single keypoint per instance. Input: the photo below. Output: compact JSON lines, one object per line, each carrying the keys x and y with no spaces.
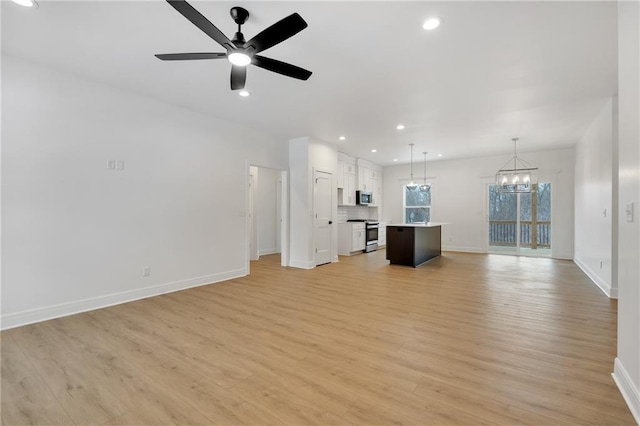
{"x":356,"y":212}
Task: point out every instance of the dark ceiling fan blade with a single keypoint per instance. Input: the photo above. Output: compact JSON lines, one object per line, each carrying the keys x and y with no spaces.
{"x":278,"y":32}
{"x":238,"y":77}
{"x":201,"y":22}
{"x":281,"y":67}
{"x":189,"y":56}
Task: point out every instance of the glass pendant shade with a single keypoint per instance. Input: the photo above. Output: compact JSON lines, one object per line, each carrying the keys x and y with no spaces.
{"x":517,"y":175}
{"x":424,"y":186}
{"x":412,"y":184}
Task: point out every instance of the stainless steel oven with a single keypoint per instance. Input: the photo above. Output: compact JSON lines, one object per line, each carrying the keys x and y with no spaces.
{"x":371,"y":236}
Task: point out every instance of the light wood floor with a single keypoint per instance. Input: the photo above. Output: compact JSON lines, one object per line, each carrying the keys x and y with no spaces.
{"x":465,"y":339}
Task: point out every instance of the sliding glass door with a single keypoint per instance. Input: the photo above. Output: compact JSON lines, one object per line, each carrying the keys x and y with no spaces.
{"x":520,"y":222}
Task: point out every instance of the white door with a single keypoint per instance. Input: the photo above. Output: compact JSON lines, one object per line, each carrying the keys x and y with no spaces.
{"x":253,"y":223}
{"x":322,"y":217}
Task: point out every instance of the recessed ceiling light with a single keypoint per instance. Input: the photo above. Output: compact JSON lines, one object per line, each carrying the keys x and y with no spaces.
{"x":439,"y":155}
{"x":400,"y":126}
{"x":26,"y":3}
{"x":244,"y":93}
{"x":374,"y":150}
{"x":432,"y":23}
{"x":395,"y":159}
{"x":342,"y":138}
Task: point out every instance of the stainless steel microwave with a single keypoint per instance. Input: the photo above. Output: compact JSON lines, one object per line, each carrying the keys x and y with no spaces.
{"x":364,"y":198}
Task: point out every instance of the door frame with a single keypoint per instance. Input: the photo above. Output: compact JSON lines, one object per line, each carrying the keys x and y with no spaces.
{"x":485,"y":183}
{"x":284,"y":215}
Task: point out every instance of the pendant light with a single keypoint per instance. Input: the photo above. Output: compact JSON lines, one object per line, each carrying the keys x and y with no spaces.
{"x":424,"y":186}
{"x":518,"y":179}
{"x":412,"y":185}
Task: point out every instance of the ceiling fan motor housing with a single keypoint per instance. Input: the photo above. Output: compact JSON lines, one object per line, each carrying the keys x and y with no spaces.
{"x":239,"y":15}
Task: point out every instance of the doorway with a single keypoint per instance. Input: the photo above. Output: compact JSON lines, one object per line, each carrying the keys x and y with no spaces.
{"x":267,"y":214}
{"x":519,"y":223}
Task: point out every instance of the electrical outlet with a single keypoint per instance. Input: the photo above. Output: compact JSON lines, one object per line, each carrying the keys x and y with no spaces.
{"x":146,"y":271}
{"x":629,"y":212}
{"x":601,"y":264}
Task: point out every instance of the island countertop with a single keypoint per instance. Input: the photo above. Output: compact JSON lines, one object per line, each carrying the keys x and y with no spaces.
{"x":420,"y":224}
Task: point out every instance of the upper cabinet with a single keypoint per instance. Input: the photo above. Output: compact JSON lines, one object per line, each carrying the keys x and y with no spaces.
{"x":346,"y":180}
{"x":340,"y":174}
{"x":357,"y":175}
{"x":367,"y":179}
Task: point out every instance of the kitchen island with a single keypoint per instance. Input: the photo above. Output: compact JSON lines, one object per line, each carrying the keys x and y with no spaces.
{"x":413,"y":244}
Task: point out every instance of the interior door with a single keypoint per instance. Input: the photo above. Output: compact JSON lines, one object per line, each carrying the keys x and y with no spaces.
{"x":322,"y":217}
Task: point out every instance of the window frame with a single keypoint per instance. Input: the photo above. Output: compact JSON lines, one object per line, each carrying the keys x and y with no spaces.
{"x":428,"y":207}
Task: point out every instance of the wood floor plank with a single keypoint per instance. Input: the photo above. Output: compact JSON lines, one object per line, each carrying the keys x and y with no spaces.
{"x":464,"y":339}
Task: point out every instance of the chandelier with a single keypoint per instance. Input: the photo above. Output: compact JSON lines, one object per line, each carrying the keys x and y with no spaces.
{"x":520,"y":178}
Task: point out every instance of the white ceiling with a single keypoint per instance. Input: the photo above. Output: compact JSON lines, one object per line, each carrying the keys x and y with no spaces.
{"x":540,"y":71}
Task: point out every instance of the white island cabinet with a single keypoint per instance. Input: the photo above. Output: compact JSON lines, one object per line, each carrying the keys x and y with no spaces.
{"x":351,"y":238}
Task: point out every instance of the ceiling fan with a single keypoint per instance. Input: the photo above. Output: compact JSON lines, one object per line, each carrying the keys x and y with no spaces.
{"x":240,"y":52}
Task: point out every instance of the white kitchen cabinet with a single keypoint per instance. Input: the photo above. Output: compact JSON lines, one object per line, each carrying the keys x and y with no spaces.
{"x":340,"y":174}
{"x":351,"y":238}
{"x":347,"y":193}
{"x":368,"y":181}
{"x":358,"y":239}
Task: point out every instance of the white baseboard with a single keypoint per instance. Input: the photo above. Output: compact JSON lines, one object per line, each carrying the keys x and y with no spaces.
{"x":604,"y":286}
{"x":265,"y":252}
{"x":629,"y":391}
{"x":62,"y":310}
{"x":302,"y":264}
{"x":463,"y":249}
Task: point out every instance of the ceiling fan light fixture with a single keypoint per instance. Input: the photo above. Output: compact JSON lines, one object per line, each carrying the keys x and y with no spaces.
{"x":432,"y":23}
{"x":26,"y":3}
{"x":240,"y":59}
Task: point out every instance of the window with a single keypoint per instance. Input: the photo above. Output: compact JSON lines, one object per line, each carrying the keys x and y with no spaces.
{"x":417,"y":203}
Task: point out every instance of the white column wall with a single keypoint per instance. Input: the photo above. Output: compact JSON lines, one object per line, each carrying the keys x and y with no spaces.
{"x":594,"y":202}
{"x":75,"y":235}
{"x":305,"y":156}
{"x":627,"y":364}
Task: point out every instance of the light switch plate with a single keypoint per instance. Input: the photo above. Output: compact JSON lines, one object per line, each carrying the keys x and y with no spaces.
{"x":111,"y":164}
{"x":119,"y":164}
{"x":629,"y":211}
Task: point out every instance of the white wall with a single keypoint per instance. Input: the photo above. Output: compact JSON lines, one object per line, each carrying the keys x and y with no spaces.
{"x":300,"y":221}
{"x":75,"y":235}
{"x":627,"y":364}
{"x":267,"y":211}
{"x":459,"y":197}
{"x":594,"y":211}
{"x":305,"y":156}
